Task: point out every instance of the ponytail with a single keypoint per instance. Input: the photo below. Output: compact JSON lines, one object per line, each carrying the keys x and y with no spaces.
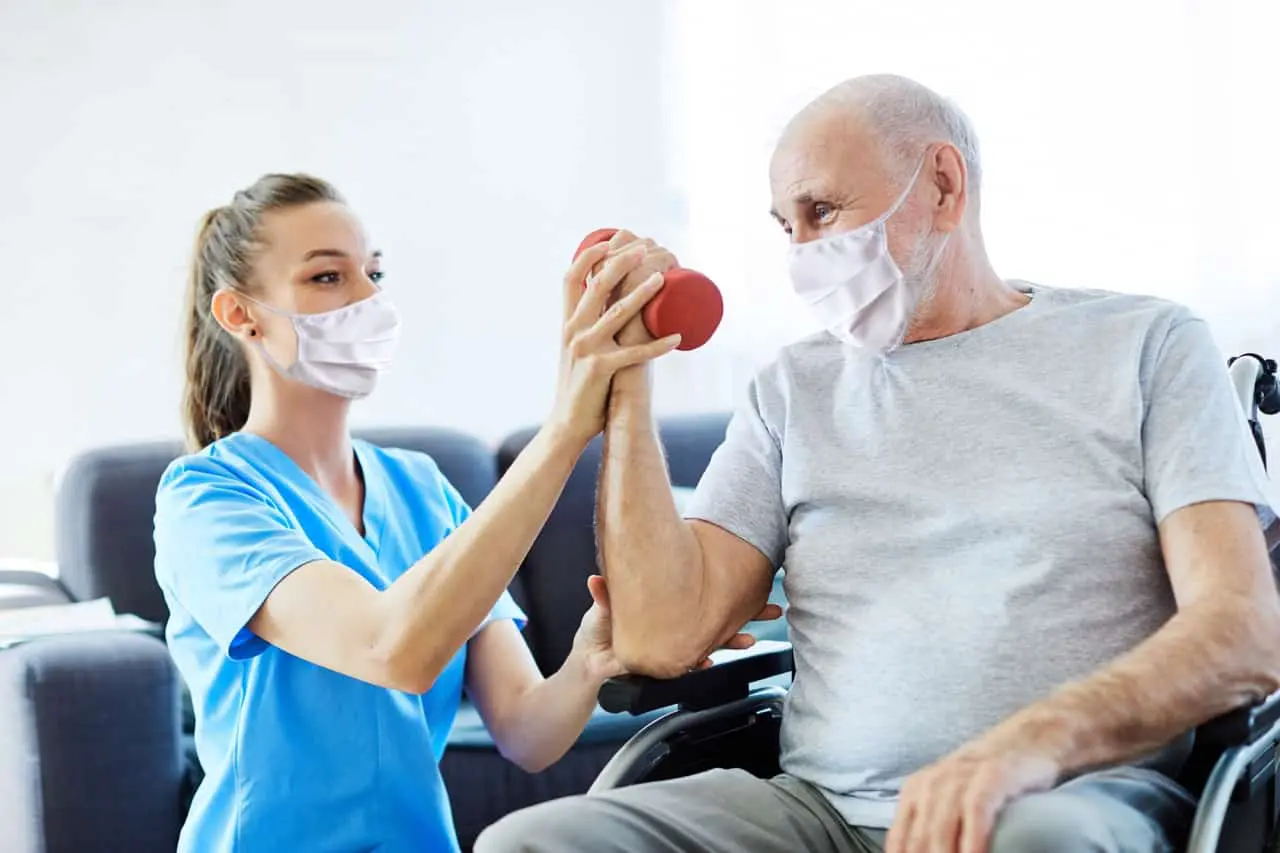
{"x":215,"y":399}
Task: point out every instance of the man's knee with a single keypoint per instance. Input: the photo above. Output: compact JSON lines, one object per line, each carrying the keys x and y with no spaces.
{"x":1052,"y":823}
{"x":1065,"y":821}
{"x":567,"y":824}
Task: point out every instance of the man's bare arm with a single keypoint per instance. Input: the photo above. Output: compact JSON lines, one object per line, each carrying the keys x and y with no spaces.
{"x":1221,"y":650}
{"x":678,"y":589}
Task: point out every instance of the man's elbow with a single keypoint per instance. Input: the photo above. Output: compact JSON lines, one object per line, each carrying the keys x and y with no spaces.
{"x":652,"y":654}
{"x":1266,"y":644}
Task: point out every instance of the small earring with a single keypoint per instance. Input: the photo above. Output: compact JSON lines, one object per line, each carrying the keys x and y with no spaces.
{"x":253,"y":333}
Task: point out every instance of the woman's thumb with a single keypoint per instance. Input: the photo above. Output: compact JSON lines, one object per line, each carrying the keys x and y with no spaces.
{"x":599,"y":592}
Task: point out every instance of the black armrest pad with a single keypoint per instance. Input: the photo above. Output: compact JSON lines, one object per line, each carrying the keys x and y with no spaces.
{"x":703,"y":688}
{"x":1243,"y":725}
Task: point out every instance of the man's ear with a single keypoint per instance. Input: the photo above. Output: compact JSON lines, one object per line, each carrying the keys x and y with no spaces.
{"x":229,"y":312}
{"x":946,"y":168}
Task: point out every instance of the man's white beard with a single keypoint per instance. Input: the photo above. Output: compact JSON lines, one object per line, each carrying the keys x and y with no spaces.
{"x":920,"y":270}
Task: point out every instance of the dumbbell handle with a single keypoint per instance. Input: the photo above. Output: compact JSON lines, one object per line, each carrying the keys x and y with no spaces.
{"x":689,"y":303}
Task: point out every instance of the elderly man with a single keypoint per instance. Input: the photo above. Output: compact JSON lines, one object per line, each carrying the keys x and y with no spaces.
{"x":1020,"y":528}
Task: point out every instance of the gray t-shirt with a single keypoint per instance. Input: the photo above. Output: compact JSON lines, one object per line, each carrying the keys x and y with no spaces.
{"x":971,"y":521}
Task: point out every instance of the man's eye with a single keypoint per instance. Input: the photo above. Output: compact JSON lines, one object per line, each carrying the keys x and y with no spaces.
{"x":823,"y":212}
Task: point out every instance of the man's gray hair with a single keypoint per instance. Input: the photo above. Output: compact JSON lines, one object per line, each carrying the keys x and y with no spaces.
{"x":906,"y":117}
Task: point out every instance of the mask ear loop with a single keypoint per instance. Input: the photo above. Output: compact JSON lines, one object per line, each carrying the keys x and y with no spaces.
{"x":260,"y":345}
{"x":902,"y":198}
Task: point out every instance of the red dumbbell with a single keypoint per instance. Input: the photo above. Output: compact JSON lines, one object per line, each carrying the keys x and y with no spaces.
{"x":689,"y":303}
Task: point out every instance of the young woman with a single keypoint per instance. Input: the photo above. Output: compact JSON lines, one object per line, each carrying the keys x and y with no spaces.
{"x":329,"y":599}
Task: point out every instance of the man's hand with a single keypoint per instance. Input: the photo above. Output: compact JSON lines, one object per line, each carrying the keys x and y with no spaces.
{"x":656,"y":259}
{"x":952,"y":806}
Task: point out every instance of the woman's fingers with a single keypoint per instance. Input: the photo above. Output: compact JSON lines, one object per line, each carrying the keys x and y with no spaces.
{"x":599,"y":286}
{"x":599,"y":592}
{"x":576,"y":278}
{"x":639,"y":354}
{"x":740,"y":642}
{"x":621,"y":312}
{"x":770,"y":612}
{"x":620,"y":240}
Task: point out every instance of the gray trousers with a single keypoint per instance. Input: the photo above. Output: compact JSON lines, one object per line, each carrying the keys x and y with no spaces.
{"x":1124,"y":810}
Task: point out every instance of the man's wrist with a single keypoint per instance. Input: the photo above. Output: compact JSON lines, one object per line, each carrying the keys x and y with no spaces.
{"x":630,"y":396}
{"x":1040,"y":729}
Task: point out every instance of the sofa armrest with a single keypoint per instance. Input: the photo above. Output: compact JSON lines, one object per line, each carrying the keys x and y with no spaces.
{"x":89,"y":745}
{"x":729,"y":679}
{"x":22,"y":588}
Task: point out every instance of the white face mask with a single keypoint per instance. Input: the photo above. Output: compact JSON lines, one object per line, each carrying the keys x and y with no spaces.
{"x":853,"y":286}
{"x":344,"y":350}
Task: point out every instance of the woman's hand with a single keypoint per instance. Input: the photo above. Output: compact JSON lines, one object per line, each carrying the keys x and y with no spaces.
{"x":590,"y":355}
{"x":593,"y":642}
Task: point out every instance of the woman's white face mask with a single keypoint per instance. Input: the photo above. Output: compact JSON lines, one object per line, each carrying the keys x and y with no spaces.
{"x":341,"y":351}
{"x":854,"y":287}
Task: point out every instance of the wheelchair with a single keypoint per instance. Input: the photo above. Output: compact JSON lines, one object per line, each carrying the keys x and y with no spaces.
{"x":730,"y":715}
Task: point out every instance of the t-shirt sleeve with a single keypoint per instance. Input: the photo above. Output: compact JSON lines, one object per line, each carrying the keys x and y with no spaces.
{"x":506,"y":608}
{"x":221,"y":548}
{"x":741,"y":490}
{"x":1196,"y":444}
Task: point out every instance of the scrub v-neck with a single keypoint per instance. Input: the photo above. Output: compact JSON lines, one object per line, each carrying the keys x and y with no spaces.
{"x":371,"y":512}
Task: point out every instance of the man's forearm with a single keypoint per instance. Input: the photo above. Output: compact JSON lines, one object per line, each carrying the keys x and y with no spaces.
{"x":650,"y":556}
{"x":1205,"y":661}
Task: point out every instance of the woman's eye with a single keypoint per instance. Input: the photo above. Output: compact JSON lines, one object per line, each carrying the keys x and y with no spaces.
{"x":376,"y":276}
{"x":327,"y":278}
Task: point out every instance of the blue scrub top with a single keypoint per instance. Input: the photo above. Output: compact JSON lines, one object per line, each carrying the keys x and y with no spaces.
{"x":296,"y":756}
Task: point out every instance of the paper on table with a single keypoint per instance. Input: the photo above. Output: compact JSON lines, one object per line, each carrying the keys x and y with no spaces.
{"x":26,"y":623}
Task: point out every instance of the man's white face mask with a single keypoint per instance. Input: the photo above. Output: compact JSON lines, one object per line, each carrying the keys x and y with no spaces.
{"x":854,"y":287}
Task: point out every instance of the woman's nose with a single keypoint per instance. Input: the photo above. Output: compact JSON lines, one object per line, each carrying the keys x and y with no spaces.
{"x":366,"y":287}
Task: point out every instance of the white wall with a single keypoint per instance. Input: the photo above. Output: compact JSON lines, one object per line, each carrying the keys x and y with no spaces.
{"x":480,"y":141}
{"x":1126,"y":146}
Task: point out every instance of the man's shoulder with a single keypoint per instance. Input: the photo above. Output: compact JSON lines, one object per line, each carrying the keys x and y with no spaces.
{"x":1139,"y":309}
{"x":799,"y":357}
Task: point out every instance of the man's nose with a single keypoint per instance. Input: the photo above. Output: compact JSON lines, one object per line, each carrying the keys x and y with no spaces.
{"x":803,"y":234}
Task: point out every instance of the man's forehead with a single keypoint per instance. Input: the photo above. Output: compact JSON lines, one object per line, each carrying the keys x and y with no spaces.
{"x":819,"y":159}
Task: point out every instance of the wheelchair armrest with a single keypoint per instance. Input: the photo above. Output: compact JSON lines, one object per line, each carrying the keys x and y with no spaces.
{"x":728,"y":679}
{"x":1244,"y":725}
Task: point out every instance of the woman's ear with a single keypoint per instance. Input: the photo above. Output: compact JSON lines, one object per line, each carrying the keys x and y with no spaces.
{"x":229,"y":312}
